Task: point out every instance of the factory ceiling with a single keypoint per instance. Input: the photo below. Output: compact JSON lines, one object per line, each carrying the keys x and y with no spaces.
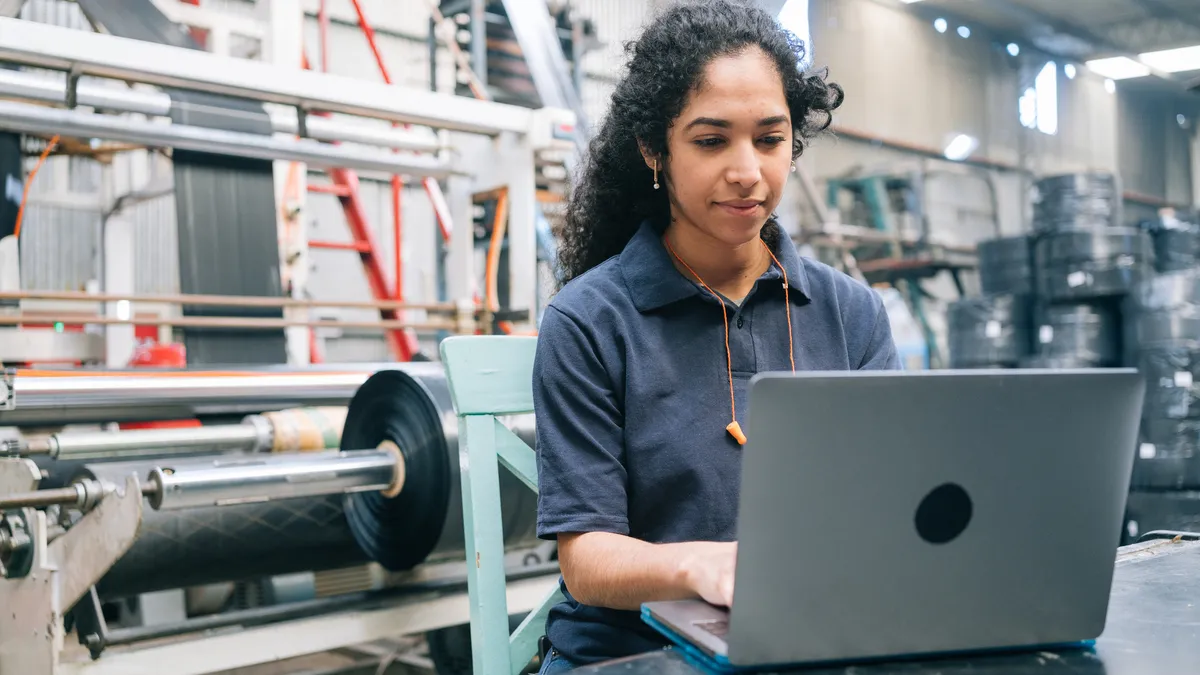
{"x":1122,"y":39}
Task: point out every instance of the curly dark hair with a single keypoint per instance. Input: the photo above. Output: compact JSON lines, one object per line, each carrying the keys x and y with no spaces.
{"x":614,"y":192}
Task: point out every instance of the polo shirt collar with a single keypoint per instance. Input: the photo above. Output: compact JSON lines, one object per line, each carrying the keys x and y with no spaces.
{"x":654,"y":282}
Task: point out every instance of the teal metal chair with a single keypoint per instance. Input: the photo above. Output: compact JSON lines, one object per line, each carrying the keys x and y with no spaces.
{"x":490,"y":376}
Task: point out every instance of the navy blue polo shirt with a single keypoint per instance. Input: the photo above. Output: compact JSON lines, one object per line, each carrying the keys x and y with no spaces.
{"x":631,"y":396}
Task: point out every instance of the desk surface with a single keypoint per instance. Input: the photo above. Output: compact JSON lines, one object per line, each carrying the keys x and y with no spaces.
{"x":1153,"y":628}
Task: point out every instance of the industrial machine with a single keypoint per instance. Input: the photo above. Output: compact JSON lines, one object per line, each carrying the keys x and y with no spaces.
{"x":258,"y":127}
{"x":347,"y":532}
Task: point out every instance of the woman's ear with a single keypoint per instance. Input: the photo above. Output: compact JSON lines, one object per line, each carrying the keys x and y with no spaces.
{"x":650,"y":158}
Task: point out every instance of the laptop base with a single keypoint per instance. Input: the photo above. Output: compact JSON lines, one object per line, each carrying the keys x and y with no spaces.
{"x":720,"y":665}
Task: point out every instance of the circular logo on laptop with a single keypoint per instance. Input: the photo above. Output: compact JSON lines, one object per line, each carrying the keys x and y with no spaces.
{"x":943,"y":514}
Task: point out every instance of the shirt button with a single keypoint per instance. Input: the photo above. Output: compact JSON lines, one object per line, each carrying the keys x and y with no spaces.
{"x":739,"y":322}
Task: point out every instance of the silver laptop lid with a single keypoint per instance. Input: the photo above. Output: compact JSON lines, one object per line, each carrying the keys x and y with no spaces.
{"x":889,"y":513}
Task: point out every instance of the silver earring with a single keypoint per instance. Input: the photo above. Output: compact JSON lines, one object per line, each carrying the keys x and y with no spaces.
{"x":656,"y":174}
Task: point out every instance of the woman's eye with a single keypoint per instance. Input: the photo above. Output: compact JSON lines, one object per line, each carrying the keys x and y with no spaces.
{"x":708,"y":142}
{"x":773,"y":140}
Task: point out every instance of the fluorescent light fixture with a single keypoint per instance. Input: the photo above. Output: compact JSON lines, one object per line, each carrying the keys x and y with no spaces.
{"x":940,"y":25}
{"x":909,"y":2}
{"x":1069,"y":71}
{"x":1110,"y":86}
{"x":964,"y":31}
{"x":1118,"y":68}
{"x":1173,"y":60}
{"x":1014,"y":48}
{"x":960,"y":147}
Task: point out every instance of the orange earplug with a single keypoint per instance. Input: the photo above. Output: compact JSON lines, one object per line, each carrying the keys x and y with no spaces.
{"x":735,"y":430}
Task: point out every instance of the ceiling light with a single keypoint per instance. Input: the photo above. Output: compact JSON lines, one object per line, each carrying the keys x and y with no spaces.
{"x":909,"y":2}
{"x":1069,"y":71}
{"x":1110,"y":86}
{"x":1118,"y":68}
{"x":964,"y":31}
{"x":1173,"y":60}
{"x":960,"y":147}
{"x":940,"y":25}
{"x":1014,"y":48}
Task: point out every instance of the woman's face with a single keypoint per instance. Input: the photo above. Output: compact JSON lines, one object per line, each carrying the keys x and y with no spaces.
{"x":730,"y":150}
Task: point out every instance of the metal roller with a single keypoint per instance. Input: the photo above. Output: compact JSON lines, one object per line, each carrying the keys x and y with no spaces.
{"x":412,"y":409}
{"x":406,"y":409}
{"x":82,"y":399}
{"x":293,"y":430}
{"x":60,"y":456}
{"x":987,"y":332}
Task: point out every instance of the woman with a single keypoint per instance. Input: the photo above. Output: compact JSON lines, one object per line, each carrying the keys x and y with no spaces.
{"x":679,"y":287}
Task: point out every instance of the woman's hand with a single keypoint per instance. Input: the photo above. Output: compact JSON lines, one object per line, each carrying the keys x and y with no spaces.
{"x":709,"y":571}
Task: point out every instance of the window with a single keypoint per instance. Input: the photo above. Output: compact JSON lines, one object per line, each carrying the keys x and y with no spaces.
{"x":794,"y":17}
{"x":1038,"y":105}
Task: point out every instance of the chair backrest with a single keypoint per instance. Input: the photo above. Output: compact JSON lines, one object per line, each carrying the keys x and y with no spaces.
{"x":490,"y":376}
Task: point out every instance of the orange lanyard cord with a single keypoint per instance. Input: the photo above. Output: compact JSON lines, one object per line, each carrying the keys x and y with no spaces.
{"x":734,"y":428}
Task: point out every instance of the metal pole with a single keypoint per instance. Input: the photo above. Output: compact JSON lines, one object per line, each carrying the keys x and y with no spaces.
{"x":222,"y":482}
{"x":224,"y":300}
{"x":140,"y":442}
{"x":194,"y":483}
{"x":56,"y":401}
{"x":390,"y":325}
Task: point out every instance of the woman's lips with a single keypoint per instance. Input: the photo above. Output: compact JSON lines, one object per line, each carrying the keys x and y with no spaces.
{"x":740,"y":207}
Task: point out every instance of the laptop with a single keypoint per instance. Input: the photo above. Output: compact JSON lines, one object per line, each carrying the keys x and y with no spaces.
{"x":892,"y":514}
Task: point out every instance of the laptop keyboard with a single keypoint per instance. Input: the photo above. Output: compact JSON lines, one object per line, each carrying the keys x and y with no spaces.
{"x":717,"y":627}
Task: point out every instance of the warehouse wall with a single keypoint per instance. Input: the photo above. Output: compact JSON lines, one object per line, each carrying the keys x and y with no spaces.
{"x":933,"y":86}
{"x":1155,"y":146}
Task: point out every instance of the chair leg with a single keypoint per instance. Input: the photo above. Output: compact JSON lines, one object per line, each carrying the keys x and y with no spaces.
{"x":524,"y":641}
{"x":485,"y":546}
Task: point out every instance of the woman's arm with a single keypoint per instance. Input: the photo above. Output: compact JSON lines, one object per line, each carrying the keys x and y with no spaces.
{"x":603,"y":569}
{"x":582,"y":497}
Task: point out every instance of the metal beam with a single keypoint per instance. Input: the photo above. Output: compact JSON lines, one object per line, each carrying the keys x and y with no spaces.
{"x":48,"y":89}
{"x":33,"y":119}
{"x":84,"y":53}
{"x":1164,"y":11}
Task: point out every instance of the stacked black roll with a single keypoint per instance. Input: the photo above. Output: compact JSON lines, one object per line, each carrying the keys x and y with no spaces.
{"x":1006,"y":266}
{"x":1081,"y":266}
{"x":1176,"y":237}
{"x":989,"y":332}
{"x":1162,"y":331}
{"x":1076,"y":336}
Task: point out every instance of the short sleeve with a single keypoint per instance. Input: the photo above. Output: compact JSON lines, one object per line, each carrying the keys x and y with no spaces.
{"x":580,"y":435}
{"x":881,"y":350}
